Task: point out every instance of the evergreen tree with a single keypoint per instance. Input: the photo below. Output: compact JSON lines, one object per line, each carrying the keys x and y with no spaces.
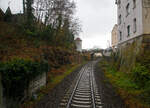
{"x":8,"y":15}
{"x":29,"y":14}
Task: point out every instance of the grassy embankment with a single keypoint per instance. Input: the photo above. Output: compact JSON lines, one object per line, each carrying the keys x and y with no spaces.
{"x":134,"y":85}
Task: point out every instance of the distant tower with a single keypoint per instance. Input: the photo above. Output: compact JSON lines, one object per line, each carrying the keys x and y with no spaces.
{"x":78,"y":43}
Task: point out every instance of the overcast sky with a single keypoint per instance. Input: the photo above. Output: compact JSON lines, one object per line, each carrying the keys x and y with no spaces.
{"x":97,"y":18}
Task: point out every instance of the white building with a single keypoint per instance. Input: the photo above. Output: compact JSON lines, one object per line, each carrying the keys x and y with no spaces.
{"x":78,"y":43}
{"x":133,"y":19}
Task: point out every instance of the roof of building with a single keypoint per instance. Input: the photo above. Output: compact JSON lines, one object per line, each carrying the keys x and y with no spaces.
{"x":78,"y":39}
{"x":8,"y":11}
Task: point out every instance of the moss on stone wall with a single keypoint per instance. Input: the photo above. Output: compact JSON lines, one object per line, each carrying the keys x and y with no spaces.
{"x":131,"y":50}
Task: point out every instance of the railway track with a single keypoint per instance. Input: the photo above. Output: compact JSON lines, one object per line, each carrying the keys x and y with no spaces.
{"x":83,"y":92}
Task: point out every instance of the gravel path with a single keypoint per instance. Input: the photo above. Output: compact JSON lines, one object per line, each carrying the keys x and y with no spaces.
{"x":110,"y":99}
{"x":53,"y":99}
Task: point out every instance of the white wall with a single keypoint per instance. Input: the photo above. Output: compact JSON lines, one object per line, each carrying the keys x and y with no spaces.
{"x":79,"y":45}
{"x":128,"y":20}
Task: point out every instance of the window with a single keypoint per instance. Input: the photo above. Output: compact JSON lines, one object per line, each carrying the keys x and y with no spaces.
{"x":119,"y":3}
{"x":134,"y":4}
{"x":128,"y":30}
{"x":119,"y":19}
{"x":120,"y":34}
{"x":127,"y":9}
{"x":134,"y":25}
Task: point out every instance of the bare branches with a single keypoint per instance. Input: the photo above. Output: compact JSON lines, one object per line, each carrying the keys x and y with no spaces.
{"x":59,"y":16}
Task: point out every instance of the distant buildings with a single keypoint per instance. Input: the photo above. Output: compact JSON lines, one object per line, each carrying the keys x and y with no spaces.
{"x":114,"y":37}
{"x":133,"y":19}
{"x":78,"y":43}
{"x":9,"y":17}
{"x":107,"y":52}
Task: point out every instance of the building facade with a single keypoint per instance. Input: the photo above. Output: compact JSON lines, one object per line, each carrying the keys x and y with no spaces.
{"x":78,"y":43}
{"x":133,"y":19}
{"x":114,"y":37}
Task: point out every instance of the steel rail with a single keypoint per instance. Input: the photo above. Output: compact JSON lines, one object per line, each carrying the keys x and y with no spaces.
{"x":92,"y":86}
{"x":70,"y":99}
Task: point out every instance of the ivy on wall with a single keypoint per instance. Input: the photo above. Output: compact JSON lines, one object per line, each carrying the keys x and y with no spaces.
{"x":17,"y":73}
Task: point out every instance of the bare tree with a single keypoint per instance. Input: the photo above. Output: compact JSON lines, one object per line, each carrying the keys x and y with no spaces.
{"x":59,"y":15}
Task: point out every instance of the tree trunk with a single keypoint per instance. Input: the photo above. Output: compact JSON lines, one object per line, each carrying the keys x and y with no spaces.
{"x":24,"y":7}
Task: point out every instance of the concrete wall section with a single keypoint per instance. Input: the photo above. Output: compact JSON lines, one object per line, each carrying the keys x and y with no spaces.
{"x":37,"y":83}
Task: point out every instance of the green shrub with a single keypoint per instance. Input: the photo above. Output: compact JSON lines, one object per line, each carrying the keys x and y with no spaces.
{"x":17,"y":73}
{"x":140,"y":74}
{"x":121,"y":79}
{"x":30,"y":33}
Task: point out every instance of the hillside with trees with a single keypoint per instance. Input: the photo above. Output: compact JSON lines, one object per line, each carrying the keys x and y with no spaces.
{"x":41,"y":39}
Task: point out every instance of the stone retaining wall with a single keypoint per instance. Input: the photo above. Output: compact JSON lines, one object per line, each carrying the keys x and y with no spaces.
{"x":135,"y":45}
{"x":37,"y":83}
{"x":129,"y":51}
{"x":146,"y":42}
{"x":34,"y":85}
{"x":142,"y":41}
